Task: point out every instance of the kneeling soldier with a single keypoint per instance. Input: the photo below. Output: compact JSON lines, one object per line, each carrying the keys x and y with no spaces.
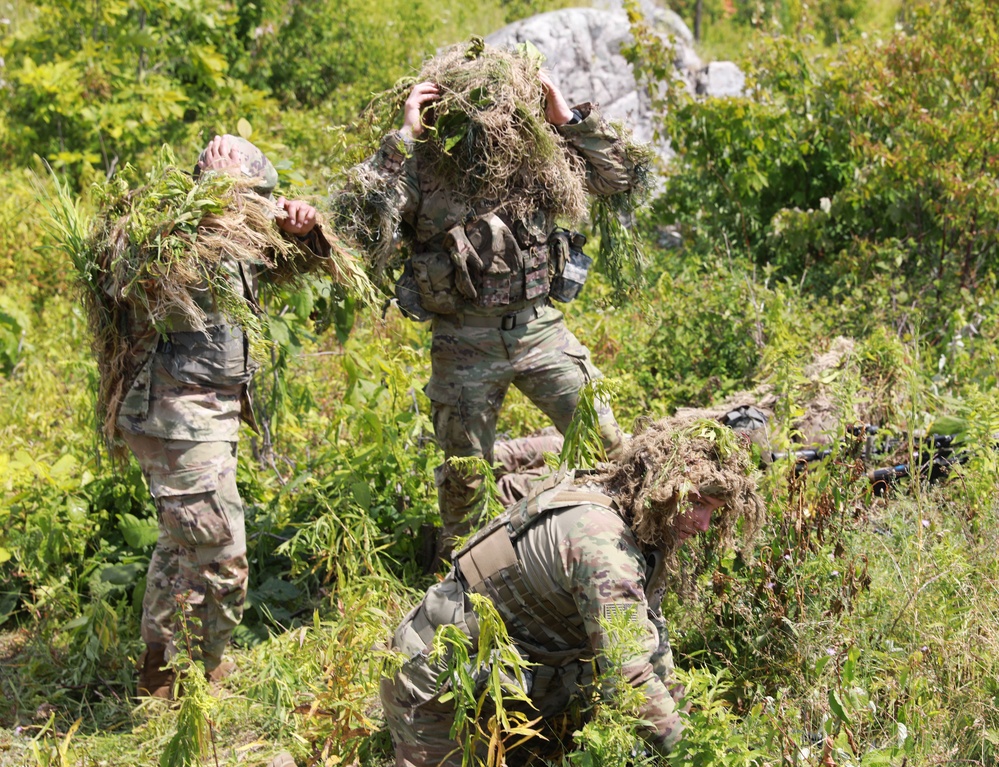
{"x":577,"y":550}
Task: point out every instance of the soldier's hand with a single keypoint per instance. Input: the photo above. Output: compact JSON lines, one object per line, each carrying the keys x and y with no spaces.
{"x":557,"y":110}
{"x":301,"y":217}
{"x":412,"y":113}
{"x":219,"y":155}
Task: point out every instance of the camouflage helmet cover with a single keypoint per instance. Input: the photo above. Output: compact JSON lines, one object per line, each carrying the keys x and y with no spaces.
{"x":253,"y":163}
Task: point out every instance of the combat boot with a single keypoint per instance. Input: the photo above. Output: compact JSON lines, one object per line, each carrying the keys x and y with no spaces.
{"x":154,"y":680}
{"x":220,"y":672}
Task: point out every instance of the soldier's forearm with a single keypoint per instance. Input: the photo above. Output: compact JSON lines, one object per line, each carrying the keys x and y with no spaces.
{"x":608,"y":167}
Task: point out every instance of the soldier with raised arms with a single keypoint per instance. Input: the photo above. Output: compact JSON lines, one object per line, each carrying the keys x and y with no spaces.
{"x":489,"y":157}
{"x":180,"y":417}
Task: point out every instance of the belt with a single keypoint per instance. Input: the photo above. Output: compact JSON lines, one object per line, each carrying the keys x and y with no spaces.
{"x":505,"y":322}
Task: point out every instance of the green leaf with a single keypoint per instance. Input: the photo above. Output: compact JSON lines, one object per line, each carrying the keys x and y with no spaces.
{"x":123,"y":575}
{"x":530,"y":50}
{"x":276,"y":590}
{"x":77,"y":622}
{"x":821,"y":663}
{"x":243,"y":128}
{"x":452,"y":141}
{"x":138,"y":595}
{"x":138,"y":533}
{"x":850,"y":665}
{"x":836,"y":705}
{"x":362,"y":495}
{"x":302,"y":303}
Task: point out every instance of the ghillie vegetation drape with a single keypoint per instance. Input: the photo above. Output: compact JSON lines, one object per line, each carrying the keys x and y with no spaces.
{"x":160,"y":254}
{"x":487,"y":141}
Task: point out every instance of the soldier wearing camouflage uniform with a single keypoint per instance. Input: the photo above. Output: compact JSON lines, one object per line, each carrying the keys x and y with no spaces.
{"x":180,"y":418}
{"x":508,"y":333}
{"x":575,"y":551}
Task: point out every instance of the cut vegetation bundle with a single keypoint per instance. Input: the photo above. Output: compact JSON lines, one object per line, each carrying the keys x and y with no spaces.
{"x":486,"y":141}
{"x":158,"y":253}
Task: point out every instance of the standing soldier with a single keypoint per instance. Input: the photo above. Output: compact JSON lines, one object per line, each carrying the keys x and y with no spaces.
{"x":488,"y":157}
{"x":556,"y":565}
{"x":180,"y":418}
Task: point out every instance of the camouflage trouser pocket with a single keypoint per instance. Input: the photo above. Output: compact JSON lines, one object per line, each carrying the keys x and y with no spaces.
{"x":581,"y":359}
{"x":449,"y":417}
{"x":190,"y":507}
{"x":610,"y":432}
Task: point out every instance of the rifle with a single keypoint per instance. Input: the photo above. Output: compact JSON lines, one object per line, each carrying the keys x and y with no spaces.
{"x":934,"y":456}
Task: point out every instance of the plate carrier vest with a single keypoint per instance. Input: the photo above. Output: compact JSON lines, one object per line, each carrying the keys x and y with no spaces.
{"x":488,"y":565}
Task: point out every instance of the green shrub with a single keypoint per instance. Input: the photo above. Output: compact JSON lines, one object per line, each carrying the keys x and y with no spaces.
{"x":867,"y":176}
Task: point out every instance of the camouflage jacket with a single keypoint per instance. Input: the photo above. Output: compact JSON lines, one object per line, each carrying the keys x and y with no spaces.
{"x":193,"y":383}
{"x":578,"y":564}
{"x":445,"y":231}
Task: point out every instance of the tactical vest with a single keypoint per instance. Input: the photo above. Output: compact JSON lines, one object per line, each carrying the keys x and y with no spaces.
{"x":489,"y":262}
{"x":488,"y":565}
{"x":219,"y":355}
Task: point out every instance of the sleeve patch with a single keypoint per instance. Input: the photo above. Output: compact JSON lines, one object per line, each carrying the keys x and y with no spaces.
{"x":611,"y":611}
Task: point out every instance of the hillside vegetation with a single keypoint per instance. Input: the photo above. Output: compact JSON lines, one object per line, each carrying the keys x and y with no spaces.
{"x":847,"y":202}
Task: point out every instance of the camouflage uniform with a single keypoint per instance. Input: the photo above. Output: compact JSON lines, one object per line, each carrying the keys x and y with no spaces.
{"x":180,"y":418}
{"x":519,"y":463}
{"x":573,"y":561}
{"x":484,"y":280}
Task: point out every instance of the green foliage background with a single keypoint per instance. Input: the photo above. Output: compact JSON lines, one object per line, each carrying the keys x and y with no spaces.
{"x":851,"y":191}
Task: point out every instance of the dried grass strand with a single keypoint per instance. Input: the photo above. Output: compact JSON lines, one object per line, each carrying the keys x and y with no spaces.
{"x":665,"y":462}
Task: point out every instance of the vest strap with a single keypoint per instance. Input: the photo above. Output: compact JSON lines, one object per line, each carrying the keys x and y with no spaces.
{"x":491,"y":555}
{"x":490,"y":566}
{"x":577,"y":497}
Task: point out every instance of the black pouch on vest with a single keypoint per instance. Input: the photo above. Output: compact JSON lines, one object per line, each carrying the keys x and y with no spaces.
{"x":569,"y":281}
{"x":216,"y":356}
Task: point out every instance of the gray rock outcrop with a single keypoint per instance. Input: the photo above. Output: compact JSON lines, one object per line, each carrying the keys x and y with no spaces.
{"x":663,"y":18}
{"x":583,"y":51}
{"x":720,"y":78}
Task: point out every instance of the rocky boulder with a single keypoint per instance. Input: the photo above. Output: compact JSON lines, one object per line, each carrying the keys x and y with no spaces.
{"x":720,"y":78}
{"x":662,"y":18}
{"x":583,"y":49}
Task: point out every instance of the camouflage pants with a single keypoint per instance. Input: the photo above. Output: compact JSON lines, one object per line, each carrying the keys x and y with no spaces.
{"x":200,"y":555}
{"x":472,"y":370}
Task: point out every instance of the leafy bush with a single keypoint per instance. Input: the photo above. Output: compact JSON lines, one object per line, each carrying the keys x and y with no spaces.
{"x":861,"y":630}
{"x":309,"y":60}
{"x":867,"y":176}
{"x":709,"y":328}
{"x":91,"y":87}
